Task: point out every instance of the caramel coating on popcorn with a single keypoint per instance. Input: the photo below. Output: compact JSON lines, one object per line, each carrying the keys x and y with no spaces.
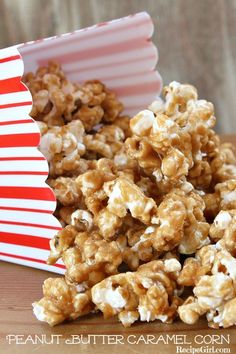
{"x":61,"y":302}
{"x":147,"y":294}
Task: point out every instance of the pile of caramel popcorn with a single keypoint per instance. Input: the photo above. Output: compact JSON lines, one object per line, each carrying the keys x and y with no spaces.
{"x":147,"y":205}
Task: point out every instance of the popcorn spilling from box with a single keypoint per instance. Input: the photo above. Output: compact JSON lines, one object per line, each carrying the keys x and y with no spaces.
{"x":134,"y":198}
{"x":118,"y":53}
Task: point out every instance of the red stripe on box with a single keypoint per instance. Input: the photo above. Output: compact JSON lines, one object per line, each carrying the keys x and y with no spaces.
{"x":28,"y":210}
{"x":30,"y":259}
{"x":11,"y":85}
{"x":20,"y":140}
{"x":17,"y":104}
{"x":13,"y":57}
{"x":17,"y":121}
{"x":25,"y":240}
{"x":29,"y":224}
{"x":23,"y":158}
{"x":31,"y":173}
{"x":35,"y":193}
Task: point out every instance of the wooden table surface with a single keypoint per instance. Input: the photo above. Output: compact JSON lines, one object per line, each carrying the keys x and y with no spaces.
{"x":20,"y":286}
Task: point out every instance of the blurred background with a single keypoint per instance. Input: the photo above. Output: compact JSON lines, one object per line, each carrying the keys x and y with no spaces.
{"x":196,"y":39}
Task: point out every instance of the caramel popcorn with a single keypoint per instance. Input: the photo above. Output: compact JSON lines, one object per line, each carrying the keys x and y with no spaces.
{"x":63,"y":146}
{"x":174,"y":141}
{"x":57,"y":101}
{"x":66,"y":190}
{"x":214,"y":287}
{"x":180,"y":223}
{"x":125,"y":195}
{"x":87,"y":256}
{"x":227,"y":193}
{"x":224,"y":228}
{"x":134,"y":196}
{"x":61,"y":302}
{"x":147,"y":294}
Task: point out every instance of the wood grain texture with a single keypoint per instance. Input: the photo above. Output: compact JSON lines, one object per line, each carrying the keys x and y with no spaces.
{"x":196,"y":39}
{"x":20,"y":286}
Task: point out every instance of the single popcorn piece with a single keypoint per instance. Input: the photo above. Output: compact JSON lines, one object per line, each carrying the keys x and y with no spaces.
{"x":125,"y":195}
{"x":61,"y":242}
{"x":212,"y":203}
{"x":63,"y":146}
{"x":147,"y":294}
{"x":214,"y":289}
{"x":66,"y":191}
{"x":142,"y":123}
{"x":111,"y":106}
{"x":177,"y":97}
{"x":106,"y":142}
{"x":61,"y":302}
{"x":224,"y":163}
{"x":82,"y":220}
{"x":227,"y":193}
{"x":224,"y":228}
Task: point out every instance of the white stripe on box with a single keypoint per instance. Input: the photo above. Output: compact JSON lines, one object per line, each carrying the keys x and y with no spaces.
{"x":28,"y":230}
{"x":32,"y":217}
{"x":24,"y":181}
{"x":25,"y":251}
{"x":33,"y":166}
{"x":16,"y":97}
{"x":24,"y":128}
{"x":11,"y":69}
{"x":28,"y":204}
{"x":37,"y":265}
{"x":22,"y":152}
{"x":9,"y":52}
{"x":14,"y":113}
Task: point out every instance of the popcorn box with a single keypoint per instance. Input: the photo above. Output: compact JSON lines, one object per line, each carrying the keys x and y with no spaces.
{"x":121,"y":54}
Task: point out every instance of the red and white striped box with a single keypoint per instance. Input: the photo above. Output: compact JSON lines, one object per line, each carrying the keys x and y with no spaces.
{"x":120,"y":54}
